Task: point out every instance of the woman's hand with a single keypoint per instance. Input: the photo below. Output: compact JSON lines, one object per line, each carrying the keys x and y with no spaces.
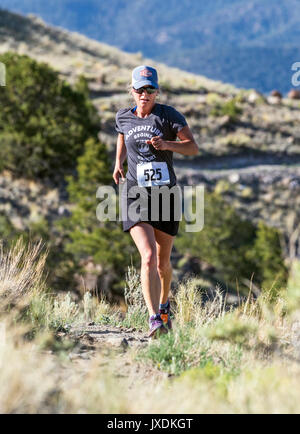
{"x":158,"y":143}
{"x":118,"y":172}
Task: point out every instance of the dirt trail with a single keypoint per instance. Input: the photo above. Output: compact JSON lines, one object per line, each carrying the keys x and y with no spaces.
{"x":116,"y":337}
{"x":226,"y":165}
{"x":117,"y":347}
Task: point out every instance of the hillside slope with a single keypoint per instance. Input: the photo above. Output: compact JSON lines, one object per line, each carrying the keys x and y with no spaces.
{"x":251,"y":44}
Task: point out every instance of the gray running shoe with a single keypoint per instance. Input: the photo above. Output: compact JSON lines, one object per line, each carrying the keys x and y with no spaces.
{"x":156,"y":325}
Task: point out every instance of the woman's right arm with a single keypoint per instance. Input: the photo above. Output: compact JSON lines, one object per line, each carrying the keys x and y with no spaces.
{"x":120,"y":158}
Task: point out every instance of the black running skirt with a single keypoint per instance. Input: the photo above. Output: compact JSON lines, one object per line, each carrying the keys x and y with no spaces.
{"x":141,"y":202}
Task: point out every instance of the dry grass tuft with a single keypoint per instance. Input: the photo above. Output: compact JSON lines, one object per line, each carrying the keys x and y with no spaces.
{"x":21,"y":272}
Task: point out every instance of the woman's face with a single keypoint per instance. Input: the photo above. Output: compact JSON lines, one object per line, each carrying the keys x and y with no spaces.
{"x":145,"y":100}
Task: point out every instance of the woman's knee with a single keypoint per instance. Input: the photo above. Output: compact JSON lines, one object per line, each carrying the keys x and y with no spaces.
{"x":163,"y":267}
{"x":149,"y":259}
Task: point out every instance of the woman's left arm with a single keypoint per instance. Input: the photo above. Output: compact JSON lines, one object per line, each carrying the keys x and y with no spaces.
{"x":186,"y":144}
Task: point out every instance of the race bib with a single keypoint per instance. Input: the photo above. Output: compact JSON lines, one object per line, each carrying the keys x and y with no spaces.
{"x":153,"y":173}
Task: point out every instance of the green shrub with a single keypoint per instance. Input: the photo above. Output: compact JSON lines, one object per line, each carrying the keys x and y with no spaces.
{"x":235,"y":247}
{"x":172,"y":352}
{"x":232,"y":328}
{"x":209,"y":372}
{"x":218,"y":243}
{"x":213,"y":99}
{"x":83,"y":234}
{"x":43,"y":121}
{"x":267,"y":254}
{"x":229,"y":108}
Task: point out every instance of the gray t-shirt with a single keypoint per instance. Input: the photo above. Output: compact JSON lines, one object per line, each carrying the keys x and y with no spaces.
{"x":163,"y":121}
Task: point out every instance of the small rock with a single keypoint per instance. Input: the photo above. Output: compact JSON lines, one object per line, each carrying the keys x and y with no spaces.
{"x":124,"y":343}
{"x":255,"y":96}
{"x":294,"y":184}
{"x":276,"y":93}
{"x":234,"y":177}
{"x":63,"y":211}
{"x":224,"y":120}
{"x":84,"y":356}
{"x":88,"y":337}
{"x":201,"y":99}
{"x":274,"y":100}
{"x":294,"y":94}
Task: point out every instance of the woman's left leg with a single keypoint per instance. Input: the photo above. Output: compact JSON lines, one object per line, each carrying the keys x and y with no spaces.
{"x":164,"y":244}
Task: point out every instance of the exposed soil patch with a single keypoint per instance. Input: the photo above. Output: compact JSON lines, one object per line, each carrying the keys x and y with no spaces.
{"x":118,"y":348}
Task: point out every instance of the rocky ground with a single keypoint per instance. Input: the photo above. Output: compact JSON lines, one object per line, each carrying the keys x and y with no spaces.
{"x":116,"y":337}
{"x":117,"y":347}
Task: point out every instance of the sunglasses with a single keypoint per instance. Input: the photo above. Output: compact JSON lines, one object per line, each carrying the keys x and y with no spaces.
{"x":149,"y":90}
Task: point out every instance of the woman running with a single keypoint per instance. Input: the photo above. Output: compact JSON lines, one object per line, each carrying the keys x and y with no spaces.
{"x":147,"y":136}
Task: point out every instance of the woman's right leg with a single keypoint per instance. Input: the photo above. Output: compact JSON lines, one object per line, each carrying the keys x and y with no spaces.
{"x":144,"y":238}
